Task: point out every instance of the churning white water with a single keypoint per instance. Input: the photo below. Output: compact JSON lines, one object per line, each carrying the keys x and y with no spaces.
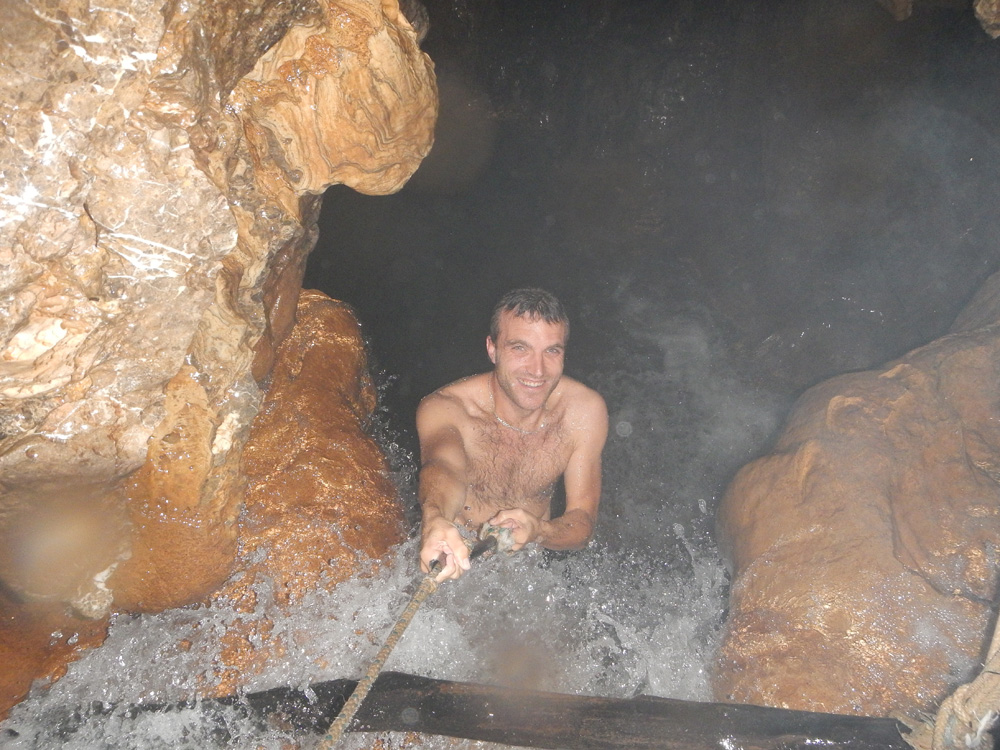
{"x":595,"y":622}
{"x":637,"y":612}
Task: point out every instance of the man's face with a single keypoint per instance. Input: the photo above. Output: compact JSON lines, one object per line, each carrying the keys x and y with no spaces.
{"x":528,"y":355}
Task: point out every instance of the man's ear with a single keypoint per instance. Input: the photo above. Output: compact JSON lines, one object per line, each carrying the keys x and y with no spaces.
{"x":491,"y":349}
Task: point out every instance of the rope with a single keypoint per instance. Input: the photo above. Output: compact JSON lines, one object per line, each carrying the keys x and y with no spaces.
{"x":490,"y":541}
{"x":964,"y":718}
{"x":427,"y":587}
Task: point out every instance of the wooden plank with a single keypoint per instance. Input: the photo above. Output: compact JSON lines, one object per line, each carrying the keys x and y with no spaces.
{"x":401,"y":702}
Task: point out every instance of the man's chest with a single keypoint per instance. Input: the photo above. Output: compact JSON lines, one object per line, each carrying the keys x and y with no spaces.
{"x":506,"y":465}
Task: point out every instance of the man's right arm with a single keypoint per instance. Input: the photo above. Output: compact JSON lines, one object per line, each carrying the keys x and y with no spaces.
{"x":443,"y":484}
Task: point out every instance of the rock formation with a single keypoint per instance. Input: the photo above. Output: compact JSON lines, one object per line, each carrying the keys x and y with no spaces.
{"x":319,"y":495}
{"x":162,"y":165}
{"x":864,"y":548}
{"x":987,"y":11}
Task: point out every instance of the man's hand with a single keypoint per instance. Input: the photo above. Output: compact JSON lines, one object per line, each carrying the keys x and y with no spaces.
{"x":440,"y":537}
{"x":524,"y":526}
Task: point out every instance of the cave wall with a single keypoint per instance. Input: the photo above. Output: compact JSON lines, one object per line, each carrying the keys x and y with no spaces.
{"x":987,"y":11}
{"x":864,"y":545}
{"x":162,"y":167}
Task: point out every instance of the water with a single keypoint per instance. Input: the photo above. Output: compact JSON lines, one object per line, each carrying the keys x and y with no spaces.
{"x":735,"y":200}
{"x":597,"y":622}
{"x":637,"y":612}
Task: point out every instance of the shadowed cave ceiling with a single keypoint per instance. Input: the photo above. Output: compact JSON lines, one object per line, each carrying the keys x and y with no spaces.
{"x":163,"y":173}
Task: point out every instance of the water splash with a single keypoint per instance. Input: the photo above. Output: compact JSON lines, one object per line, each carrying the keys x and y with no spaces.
{"x":597,"y":622}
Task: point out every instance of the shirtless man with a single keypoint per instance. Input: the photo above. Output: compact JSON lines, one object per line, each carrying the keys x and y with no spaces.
{"x":493,"y":445}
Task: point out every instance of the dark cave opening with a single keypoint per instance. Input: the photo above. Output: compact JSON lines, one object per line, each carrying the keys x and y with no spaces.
{"x":735,"y":200}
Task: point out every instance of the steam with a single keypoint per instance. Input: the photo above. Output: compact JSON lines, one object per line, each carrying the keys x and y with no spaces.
{"x":681,"y":422}
{"x":598,"y":622}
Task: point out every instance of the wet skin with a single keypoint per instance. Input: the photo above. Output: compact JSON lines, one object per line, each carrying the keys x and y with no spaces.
{"x":493,"y":445}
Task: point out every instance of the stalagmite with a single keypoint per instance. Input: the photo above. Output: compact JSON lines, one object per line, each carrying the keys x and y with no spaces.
{"x":987,"y":11}
{"x":161,"y":170}
{"x":319,"y":493}
{"x":864,"y":548}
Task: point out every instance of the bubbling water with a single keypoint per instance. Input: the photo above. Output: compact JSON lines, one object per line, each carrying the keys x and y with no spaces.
{"x":637,"y":612}
{"x":597,"y":622}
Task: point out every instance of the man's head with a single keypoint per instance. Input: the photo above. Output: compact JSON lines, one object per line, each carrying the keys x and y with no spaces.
{"x":526,"y":344}
{"x":533,"y":304}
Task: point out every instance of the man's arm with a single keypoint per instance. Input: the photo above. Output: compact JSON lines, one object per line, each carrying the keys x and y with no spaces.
{"x":574,"y":528}
{"x":443,"y":484}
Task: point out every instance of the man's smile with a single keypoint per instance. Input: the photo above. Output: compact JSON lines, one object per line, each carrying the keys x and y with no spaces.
{"x":531,"y":383}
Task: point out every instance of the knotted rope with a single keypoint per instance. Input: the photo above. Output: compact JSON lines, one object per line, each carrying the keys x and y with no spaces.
{"x":965,"y":717}
{"x":427,"y":587}
{"x":490,"y":541}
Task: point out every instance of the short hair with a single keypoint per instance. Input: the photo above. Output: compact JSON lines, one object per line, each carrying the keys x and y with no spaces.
{"x":529,"y":303}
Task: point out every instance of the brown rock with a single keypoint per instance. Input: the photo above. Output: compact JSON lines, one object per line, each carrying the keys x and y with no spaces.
{"x":38,"y":641}
{"x":162,"y":165}
{"x":988,"y":13}
{"x":864,"y":548}
{"x":319,"y":499}
{"x":320,"y":493}
{"x":333,"y":70}
{"x":179,"y":527}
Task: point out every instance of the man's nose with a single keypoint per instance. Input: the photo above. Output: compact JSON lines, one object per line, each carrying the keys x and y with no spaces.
{"x":536,"y":364}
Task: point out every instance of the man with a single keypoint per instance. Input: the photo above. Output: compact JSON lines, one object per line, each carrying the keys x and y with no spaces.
{"x":493,"y":445}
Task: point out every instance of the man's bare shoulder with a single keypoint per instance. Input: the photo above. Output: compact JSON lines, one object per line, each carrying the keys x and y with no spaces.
{"x":455,"y":402}
{"x":584,"y":407}
{"x":580,"y":396}
{"x":465,"y":388}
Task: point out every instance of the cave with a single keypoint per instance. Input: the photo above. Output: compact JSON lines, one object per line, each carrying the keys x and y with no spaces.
{"x":739,"y":203}
{"x":725,"y":196}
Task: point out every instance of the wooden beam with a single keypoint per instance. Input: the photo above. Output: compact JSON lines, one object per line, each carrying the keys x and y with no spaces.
{"x":401,"y":702}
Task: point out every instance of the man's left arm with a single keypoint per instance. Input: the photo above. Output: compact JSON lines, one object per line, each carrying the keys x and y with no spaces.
{"x":574,"y":528}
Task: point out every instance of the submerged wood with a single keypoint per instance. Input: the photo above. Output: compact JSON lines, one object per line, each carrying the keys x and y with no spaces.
{"x":409,"y":703}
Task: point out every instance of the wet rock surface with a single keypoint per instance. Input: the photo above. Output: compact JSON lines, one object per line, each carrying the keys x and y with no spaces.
{"x":37,"y":643}
{"x":320,"y":498}
{"x":319,"y":502}
{"x":863,"y":547}
{"x":162,"y":166}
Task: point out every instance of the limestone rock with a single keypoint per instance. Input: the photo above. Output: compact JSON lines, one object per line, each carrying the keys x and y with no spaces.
{"x":297,"y":89}
{"x":988,"y":13}
{"x":161,"y":167}
{"x":38,"y":642}
{"x":319,"y":499}
{"x":319,"y":491}
{"x":864,"y":548}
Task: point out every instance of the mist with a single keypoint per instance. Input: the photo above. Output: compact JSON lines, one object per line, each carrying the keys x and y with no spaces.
{"x":734,"y":200}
